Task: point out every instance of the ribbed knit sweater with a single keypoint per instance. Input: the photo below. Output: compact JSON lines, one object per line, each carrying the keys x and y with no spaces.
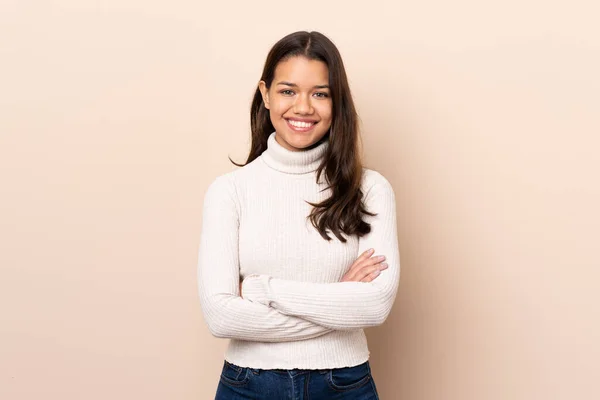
{"x":295,"y":312}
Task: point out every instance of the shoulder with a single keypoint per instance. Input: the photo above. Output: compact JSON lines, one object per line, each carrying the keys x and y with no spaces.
{"x":379,"y":196}
{"x":374,"y":181}
{"x":231,"y":184}
{"x":222,"y":189}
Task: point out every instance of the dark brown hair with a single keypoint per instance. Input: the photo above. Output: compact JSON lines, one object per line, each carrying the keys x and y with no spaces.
{"x":342,"y":165}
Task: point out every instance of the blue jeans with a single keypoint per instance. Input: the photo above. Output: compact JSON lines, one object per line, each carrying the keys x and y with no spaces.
{"x":243,"y":383}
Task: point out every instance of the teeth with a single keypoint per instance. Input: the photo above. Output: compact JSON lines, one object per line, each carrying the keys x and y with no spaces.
{"x":299,"y":124}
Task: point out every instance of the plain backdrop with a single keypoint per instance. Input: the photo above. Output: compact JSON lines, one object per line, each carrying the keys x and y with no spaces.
{"x":116,"y":115}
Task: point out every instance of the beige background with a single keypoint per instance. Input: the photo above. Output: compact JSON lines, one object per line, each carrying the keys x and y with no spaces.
{"x":114,"y":118}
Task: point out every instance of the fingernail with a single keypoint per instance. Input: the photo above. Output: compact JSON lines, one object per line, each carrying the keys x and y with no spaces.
{"x":376,"y":272}
{"x":370,"y":250}
{"x":384,"y":265}
{"x":381,"y":258}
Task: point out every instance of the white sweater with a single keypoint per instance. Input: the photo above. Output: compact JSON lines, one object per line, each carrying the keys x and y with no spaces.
{"x":295,"y":312}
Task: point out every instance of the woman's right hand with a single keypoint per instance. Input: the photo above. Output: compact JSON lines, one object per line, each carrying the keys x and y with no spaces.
{"x":365,"y":268}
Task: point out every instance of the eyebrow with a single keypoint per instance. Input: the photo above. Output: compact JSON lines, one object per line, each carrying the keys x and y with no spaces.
{"x":294,"y":85}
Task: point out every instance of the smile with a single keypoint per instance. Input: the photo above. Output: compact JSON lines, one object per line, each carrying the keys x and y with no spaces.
{"x":300,"y":126}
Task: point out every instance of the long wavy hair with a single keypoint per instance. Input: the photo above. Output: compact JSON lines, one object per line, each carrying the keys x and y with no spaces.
{"x":342,"y":165}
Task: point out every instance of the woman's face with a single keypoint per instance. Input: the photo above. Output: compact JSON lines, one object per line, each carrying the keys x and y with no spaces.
{"x":299,"y":102}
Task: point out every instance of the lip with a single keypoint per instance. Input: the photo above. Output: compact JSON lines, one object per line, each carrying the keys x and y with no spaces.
{"x":301,"y":120}
{"x":297,"y":129}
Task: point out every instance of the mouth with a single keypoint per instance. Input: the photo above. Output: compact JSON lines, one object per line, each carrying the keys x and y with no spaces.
{"x":300,"y":126}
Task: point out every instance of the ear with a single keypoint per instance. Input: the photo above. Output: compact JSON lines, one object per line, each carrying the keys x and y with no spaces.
{"x":262,"y":86}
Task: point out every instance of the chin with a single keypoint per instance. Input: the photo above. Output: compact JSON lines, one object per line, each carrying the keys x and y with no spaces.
{"x":300,"y":142}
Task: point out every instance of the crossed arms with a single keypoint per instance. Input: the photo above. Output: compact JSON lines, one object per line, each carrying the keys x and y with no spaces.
{"x":278,"y":310}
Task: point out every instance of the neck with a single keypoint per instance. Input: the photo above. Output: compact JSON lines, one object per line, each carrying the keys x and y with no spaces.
{"x":293,"y":162}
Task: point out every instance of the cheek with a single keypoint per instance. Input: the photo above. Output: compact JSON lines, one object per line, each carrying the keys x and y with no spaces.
{"x":278,"y":107}
{"x":274,"y":114}
{"x":325,"y":111}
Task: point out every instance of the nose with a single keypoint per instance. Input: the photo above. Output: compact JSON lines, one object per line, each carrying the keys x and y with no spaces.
{"x":302,"y":105}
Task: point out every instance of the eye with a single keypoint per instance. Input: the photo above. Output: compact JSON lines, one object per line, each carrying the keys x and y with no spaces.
{"x":321,"y":95}
{"x":287,"y":92}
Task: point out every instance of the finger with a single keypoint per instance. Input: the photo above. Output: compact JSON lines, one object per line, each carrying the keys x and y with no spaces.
{"x":356,"y":265}
{"x":363,"y":262}
{"x":371,"y":276}
{"x":364,"y":256}
{"x":370,"y":271}
{"x":373,"y":260}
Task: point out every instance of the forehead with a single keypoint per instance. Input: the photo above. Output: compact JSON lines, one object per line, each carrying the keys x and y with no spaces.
{"x":302,"y":71}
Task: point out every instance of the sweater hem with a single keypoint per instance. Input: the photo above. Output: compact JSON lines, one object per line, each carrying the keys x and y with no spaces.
{"x":313,"y":365}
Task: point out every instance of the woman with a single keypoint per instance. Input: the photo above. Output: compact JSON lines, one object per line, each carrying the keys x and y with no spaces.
{"x":291,"y":260}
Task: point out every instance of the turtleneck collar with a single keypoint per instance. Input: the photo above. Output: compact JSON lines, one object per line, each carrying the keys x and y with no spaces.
{"x":293,"y":162}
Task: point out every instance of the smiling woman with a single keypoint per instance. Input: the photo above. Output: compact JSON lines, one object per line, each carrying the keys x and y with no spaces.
{"x":294,"y":298}
{"x":298,"y":102}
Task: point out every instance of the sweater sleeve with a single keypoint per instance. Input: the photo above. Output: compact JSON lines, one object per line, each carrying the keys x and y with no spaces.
{"x":226,"y":313}
{"x":343,"y":305}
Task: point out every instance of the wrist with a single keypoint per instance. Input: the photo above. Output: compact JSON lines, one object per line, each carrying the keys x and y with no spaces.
{"x":255,"y":289}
